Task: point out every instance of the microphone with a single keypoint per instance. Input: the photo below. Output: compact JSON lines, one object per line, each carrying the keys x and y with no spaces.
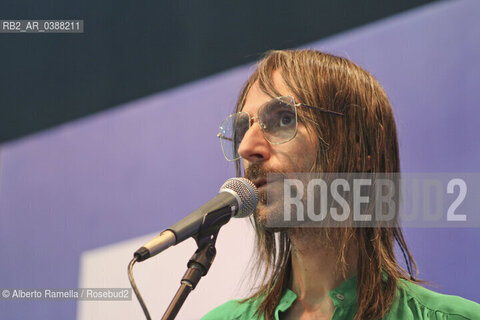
{"x":237,"y":198}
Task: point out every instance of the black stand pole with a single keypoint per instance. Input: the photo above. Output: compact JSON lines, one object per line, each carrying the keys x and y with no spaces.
{"x":198,"y":266}
{"x":200,"y":262}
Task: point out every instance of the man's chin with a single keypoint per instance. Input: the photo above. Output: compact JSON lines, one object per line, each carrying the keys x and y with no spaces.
{"x":265,"y":217}
{"x":261,"y":214}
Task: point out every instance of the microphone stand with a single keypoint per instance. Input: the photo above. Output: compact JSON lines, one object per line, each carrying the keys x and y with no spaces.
{"x":200,"y":262}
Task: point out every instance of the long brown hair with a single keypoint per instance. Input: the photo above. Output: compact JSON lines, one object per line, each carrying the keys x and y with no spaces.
{"x":365,"y":139}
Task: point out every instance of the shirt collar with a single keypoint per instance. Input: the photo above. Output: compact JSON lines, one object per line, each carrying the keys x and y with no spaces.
{"x":345,"y":294}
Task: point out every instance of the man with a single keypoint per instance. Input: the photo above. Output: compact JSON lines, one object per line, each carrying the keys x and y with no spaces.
{"x":307,"y":111}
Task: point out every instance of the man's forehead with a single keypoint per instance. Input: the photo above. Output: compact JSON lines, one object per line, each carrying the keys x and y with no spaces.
{"x":256,"y":96}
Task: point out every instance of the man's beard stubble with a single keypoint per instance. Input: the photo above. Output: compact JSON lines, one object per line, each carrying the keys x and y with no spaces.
{"x":255,"y":172}
{"x":315,"y":237}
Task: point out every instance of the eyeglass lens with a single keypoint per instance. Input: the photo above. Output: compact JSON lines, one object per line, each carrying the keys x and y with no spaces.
{"x":277,"y":119}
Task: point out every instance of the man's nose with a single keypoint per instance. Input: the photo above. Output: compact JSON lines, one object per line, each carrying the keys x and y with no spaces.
{"x":254,"y":147}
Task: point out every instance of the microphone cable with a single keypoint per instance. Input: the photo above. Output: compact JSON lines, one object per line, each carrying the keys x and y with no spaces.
{"x":135,"y":289}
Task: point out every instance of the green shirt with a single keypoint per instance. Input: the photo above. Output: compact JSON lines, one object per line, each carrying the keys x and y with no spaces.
{"x":412,"y":302}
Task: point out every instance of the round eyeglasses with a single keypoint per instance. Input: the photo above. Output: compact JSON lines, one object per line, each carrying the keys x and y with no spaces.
{"x":277,"y":119}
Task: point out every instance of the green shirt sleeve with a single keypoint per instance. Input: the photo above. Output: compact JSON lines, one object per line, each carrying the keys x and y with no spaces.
{"x":416,"y":302}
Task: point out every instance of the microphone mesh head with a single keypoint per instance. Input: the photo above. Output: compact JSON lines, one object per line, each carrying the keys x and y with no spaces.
{"x":246,"y":191}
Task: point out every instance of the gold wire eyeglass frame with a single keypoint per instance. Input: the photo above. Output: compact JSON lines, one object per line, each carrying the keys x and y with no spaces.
{"x":291,"y":102}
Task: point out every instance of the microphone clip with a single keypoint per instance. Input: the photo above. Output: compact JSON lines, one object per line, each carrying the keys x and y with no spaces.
{"x":200,"y":262}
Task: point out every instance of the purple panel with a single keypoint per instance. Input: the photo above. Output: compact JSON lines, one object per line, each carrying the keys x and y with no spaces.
{"x":140,"y":167}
